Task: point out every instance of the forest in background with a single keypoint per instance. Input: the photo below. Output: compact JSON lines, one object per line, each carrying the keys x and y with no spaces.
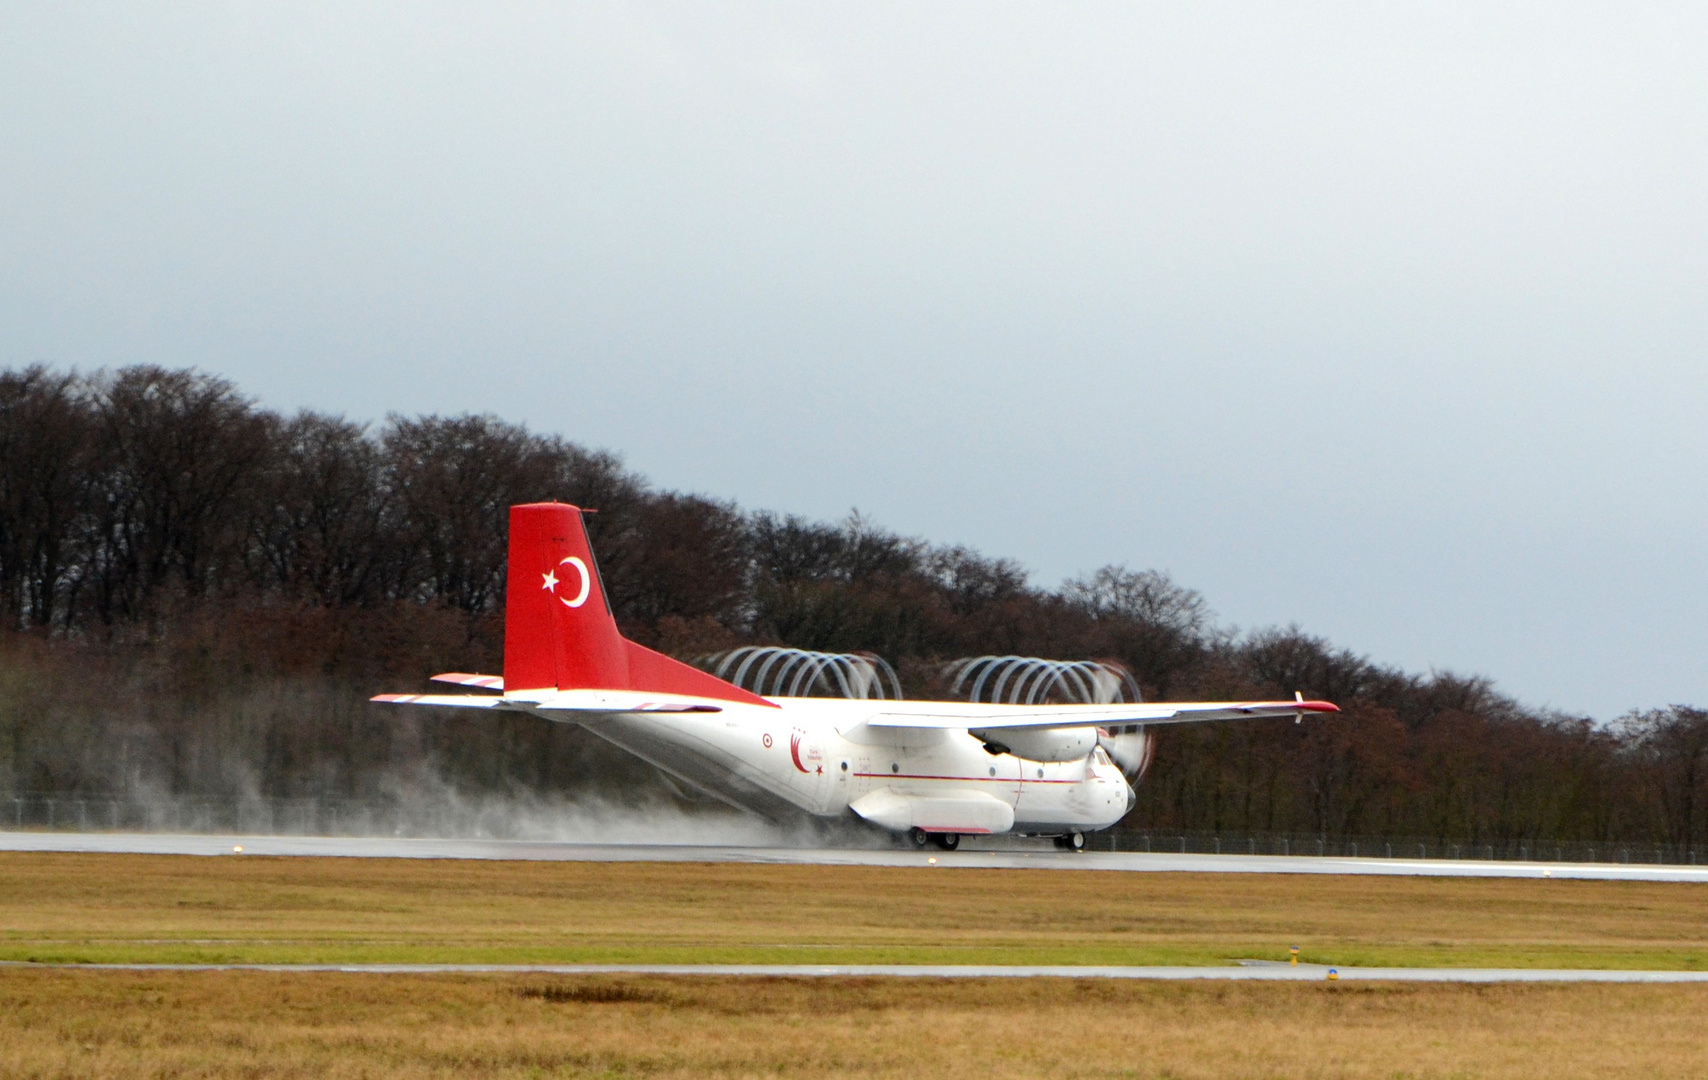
{"x":197,"y":596}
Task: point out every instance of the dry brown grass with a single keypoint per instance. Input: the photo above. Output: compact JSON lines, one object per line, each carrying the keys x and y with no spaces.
{"x":242,"y":908}
{"x":91,"y":1024}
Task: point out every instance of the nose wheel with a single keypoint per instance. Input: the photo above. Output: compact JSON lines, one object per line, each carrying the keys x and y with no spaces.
{"x":1073,"y":841}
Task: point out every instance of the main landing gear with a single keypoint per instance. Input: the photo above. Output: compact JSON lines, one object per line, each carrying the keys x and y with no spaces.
{"x":1073,"y":841}
{"x":948,"y":841}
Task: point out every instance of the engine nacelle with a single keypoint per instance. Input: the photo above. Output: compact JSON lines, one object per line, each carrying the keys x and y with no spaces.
{"x":1041,"y":744}
{"x":1129,"y":746}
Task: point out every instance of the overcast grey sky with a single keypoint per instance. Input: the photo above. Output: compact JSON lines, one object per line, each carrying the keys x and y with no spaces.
{"x":1388,"y":320}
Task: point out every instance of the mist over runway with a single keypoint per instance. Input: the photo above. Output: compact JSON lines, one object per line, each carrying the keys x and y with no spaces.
{"x":1009,"y":856}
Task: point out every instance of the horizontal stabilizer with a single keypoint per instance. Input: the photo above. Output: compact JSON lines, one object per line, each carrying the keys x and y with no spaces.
{"x":1100,"y":715}
{"x":460,"y":678}
{"x":463,"y":701}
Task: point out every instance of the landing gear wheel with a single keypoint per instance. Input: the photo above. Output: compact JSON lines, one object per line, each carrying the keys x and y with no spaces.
{"x":1073,"y":841}
{"x":918,"y":837}
{"x":948,"y":841}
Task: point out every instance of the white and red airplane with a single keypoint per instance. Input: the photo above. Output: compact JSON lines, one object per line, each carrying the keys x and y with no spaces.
{"x":934,"y":770}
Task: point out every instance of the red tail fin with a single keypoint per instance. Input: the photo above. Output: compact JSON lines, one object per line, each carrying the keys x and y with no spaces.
{"x":558,"y":629}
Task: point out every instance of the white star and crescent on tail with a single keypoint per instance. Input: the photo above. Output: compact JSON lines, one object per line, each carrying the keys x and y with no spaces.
{"x":551,"y":579}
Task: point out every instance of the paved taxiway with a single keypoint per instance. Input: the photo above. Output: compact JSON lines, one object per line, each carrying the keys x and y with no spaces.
{"x":372,"y":847}
{"x":1262,"y":971}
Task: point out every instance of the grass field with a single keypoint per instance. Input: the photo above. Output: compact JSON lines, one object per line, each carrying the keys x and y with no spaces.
{"x":77,"y":907}
{"x":58,"y":1023}
{"x":61,"y":1024}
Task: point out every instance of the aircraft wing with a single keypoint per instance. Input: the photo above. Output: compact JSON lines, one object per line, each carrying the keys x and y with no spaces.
{"x":1050,"y":716}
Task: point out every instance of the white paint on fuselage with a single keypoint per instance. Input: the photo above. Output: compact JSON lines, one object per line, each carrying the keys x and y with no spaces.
{"x":816,"y":755}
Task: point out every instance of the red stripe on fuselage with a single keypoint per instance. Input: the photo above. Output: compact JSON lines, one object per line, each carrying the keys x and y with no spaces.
{"x":981,"y":779}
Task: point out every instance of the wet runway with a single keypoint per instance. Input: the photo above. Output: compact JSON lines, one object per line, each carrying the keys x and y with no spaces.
{"x":1040,"y":858}
{"x":1260,"y":971}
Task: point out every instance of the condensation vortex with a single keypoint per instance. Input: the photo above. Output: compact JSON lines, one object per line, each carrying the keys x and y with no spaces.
{"x":777,"y":671}
{"x":1032,"y":680}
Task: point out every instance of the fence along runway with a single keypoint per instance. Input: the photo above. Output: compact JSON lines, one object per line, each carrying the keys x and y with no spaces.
{"x":377,"y":847}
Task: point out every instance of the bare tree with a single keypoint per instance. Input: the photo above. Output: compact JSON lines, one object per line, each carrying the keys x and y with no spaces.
{"x":686,"y":557}
{"x":176,"y":454}
{"x":1155,"y":625}
{"x":453,"y":480}
{"x":1671,"y":746}
{"x":321,"y":529}
{"x":44,"y":471}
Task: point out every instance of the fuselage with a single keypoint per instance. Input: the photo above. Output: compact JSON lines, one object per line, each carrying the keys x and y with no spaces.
{"x":818,"y":755}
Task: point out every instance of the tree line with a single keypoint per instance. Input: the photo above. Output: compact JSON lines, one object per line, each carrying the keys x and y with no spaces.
{"x":197,"y":594}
